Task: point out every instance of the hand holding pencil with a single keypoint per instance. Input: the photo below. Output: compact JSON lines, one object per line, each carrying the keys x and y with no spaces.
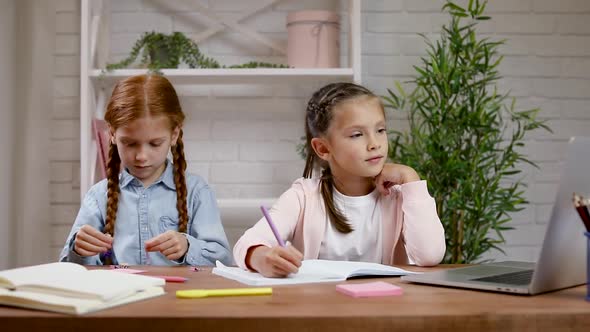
{"x":278,"y":261}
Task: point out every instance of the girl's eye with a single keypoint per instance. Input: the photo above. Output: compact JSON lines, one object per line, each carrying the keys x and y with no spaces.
{"x":355,"y":135}
{"x":130,"y":144}
{"x":382,"y":131}
{"x":155,"y":144}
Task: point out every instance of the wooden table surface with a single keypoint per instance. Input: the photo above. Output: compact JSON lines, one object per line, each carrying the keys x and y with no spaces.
{"x":318,"y":307}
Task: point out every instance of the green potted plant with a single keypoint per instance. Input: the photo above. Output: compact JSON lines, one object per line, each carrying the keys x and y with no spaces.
{"x":159,"y":51}
{"x":464,"y":136}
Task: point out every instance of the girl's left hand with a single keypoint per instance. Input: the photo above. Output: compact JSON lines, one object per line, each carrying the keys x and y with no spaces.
{"x":393,"y":174}
{"x":171,"y":244}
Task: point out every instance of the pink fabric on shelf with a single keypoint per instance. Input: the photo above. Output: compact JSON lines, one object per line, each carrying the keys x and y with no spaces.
{"x":100,"y":130}
{"x":313,"y":39}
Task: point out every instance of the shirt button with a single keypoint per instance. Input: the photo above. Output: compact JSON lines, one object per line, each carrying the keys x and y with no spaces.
{"x":143,"y":195}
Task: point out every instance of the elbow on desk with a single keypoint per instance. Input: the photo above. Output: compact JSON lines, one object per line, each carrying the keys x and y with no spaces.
{"x":431,"y":256}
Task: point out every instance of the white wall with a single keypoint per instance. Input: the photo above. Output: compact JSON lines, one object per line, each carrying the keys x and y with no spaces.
{"x":31,"y":86}
{"x":7,"y":106}
{"x":547,"y":65}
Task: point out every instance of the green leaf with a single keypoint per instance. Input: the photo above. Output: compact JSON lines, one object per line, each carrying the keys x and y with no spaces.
{"x":453,"y":6}
{"x":466,"y":139}
{"x":459,"y":14}
{"x":159,"y":51}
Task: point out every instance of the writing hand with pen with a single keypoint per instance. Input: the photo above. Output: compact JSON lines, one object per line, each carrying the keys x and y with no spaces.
{"x":275,"y":262}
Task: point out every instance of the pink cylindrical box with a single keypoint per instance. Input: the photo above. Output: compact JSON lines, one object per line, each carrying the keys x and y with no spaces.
{"x":313,"y":39}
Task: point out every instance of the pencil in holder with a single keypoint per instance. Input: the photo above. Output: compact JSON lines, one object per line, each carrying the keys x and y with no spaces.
{"x":588,"y":267}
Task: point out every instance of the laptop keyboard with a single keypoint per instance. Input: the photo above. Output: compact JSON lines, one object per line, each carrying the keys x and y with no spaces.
{"x":512,"y":278}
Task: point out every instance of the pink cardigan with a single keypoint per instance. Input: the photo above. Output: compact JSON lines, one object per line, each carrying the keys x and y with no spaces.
{"x":408,"y":213}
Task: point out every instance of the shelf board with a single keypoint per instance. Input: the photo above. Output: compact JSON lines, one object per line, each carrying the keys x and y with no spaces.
{"x":233,"y":76}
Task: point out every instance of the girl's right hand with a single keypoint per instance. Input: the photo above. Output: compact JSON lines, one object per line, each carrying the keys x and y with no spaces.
{"x":90,"y":242}
{"x":275,"y":262}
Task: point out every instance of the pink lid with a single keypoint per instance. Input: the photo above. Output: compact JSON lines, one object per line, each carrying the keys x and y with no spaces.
{"x":313,"y":15}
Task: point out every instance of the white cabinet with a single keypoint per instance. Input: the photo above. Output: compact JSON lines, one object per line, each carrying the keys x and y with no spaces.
{"x":95,"y":34}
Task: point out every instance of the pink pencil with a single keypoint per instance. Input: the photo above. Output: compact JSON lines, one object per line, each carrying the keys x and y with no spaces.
{"x":147,"y":257}
{"x":171,"y":278}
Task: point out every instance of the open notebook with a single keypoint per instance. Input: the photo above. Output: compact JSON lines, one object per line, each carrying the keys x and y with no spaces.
{"x":72,"y":289}
{"x":312,"y":270}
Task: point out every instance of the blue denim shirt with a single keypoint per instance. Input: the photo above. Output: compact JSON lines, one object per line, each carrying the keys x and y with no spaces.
{"x":147,"y":212}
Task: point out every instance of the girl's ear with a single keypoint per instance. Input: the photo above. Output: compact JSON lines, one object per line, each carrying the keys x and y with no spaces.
{"x":321,"y":148}
{"x":175,"y":134}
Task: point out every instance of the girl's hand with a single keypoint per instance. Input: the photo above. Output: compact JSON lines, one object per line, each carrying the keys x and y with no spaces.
{"x":393,"y":174}
{"x":171,"y":244}
{"x":89,"y":241}
{"x":274,"y":262}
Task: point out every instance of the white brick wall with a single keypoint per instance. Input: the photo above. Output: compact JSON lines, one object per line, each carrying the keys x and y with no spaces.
{"x":65,"y":125}
{"x":241,"y":138}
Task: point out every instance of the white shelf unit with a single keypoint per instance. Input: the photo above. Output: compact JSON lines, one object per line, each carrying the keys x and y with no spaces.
{"x":95,"y":18}
{"x":232,"y":76}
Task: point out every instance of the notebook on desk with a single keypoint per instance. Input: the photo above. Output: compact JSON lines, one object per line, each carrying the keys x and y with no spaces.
{"x":312,"y":271}
{"x":562,"y":262}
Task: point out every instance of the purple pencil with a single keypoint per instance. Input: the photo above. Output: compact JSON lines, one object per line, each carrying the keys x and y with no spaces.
{"x":272,"y":226}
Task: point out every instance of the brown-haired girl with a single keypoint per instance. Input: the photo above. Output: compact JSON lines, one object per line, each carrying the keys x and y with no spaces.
{"x":360,"y":208}
{"x":147,"y":210}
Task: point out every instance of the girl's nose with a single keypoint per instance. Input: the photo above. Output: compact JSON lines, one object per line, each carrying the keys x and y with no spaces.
{"x":373,"y":143}
{"x":141,"y":154}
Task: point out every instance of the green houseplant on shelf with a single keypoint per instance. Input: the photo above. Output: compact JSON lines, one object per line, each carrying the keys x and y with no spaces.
{"x":464,"y":136}
{"x":158,"y":51}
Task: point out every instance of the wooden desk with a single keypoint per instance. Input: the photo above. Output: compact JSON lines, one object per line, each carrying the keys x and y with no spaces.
{"x":318,"y":307}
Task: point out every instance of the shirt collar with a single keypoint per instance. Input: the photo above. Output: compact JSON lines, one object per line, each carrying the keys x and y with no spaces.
{"x":167,"y":178}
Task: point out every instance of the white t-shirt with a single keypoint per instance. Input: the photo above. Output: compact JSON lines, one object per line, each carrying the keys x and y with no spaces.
{"x":364,"y":242}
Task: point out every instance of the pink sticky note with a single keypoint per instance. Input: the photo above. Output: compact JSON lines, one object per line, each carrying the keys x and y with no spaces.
{"x":377,"y":288}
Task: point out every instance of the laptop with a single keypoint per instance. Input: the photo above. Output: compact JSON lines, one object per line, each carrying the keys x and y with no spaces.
{"x":562,"y":261}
